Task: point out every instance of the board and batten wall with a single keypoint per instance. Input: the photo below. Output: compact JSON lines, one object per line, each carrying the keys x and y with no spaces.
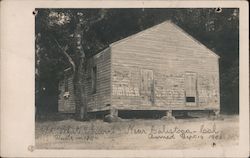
{"x":169,"y":55}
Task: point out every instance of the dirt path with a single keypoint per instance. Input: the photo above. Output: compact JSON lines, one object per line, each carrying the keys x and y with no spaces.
{"x":195,"y":133}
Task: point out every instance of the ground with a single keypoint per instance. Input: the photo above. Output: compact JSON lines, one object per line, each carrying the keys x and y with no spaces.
{"x":183,"y":133}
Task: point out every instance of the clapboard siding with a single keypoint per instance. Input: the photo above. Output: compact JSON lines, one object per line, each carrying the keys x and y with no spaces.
{"x":101,"y":98}
{"x":155,"y":69}
{"x":170,"y":54}
{"x":97,"y":100}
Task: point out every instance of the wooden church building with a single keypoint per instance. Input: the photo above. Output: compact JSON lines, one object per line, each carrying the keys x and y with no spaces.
{"x":161,"y":68}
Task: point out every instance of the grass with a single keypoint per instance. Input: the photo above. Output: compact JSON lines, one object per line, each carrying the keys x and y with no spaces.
{"x":183,"y":133}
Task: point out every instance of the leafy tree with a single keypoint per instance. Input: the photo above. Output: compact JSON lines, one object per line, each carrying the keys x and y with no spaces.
{"x":59,"y":38}
{"x":67,"y":37}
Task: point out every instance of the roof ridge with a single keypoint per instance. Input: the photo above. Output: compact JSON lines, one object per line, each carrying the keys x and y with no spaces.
{"x":140,"y":32}
{"x":158,"y":25}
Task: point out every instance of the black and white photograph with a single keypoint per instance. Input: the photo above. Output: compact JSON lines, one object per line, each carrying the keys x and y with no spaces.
{"x":120,"y":79}
{"x":136,"y":78}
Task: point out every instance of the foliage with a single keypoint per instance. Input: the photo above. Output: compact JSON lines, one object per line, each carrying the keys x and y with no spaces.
{"x":84,"y":32}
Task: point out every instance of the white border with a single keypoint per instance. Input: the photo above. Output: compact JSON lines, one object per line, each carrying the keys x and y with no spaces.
{"x":17,"y":79}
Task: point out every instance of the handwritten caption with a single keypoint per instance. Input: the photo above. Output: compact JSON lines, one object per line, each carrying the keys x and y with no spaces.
{"x":163,"y":132}
{"x":160,"y":132}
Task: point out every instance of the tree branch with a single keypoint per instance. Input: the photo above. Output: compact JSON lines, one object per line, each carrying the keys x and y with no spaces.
{"x":95,"y":20}
{"x":67,"y":55}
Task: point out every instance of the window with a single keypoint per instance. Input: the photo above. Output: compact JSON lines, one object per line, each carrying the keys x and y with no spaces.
{"x":66,"y":84}
{"x":66,"y":88}
{"x":93,"y":79}
{"x":190,"y":99}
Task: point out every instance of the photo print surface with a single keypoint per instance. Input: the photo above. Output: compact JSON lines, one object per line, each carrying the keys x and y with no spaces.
{"x":136,"y":78}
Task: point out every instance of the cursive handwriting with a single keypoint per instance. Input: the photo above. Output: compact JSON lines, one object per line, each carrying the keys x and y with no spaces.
{"x":92,"y":132}
{"x":167,"y":133}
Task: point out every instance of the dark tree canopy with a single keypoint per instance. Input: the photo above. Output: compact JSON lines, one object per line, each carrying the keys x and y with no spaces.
{"x":91,"y":30}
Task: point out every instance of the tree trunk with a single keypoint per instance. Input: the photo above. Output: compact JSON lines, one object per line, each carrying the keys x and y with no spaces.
{"x":80,"y":90}
{"x":78,"y":82}
{"x":79,"y":71}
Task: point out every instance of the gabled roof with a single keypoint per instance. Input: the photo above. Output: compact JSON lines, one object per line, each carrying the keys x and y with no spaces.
{"x":168,"y":22}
